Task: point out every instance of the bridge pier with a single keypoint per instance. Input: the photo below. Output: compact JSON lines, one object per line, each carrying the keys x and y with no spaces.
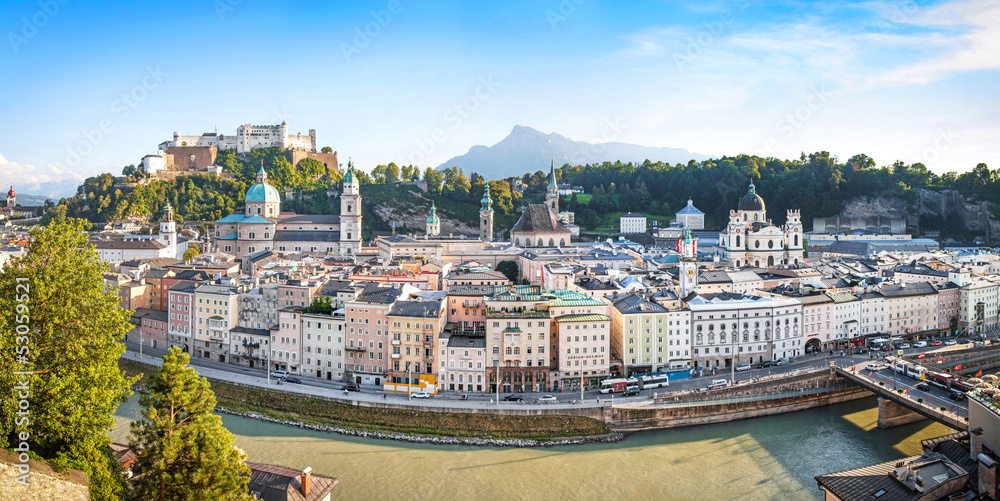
{"x":891,"y":414}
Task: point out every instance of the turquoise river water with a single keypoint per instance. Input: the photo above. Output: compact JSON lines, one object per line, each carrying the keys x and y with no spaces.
{"x":765,"y":458}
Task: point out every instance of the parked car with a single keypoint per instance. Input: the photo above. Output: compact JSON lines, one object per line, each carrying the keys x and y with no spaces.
{"x":923,"y":387}
{"x":513,"y":398}
{"x":936,"y":343}
{"x":904,"y":346}
{"x":292,"y":379}
{"x":920,"y":344}
{"x":421,"y":394}
{"x":782,"y":361}
{"x":874,"y":366}
{"x":718,"y":383}
{"x":950,"y":342}
{"x":279,"y":374}
{"x":547,"y":398}
{"x":956,"y":395}
{"x":978,"y":344}
{"x":744,"y":367}
{"x":765,"y":364}
{"x":634,"y":390}
{"x":352,"y":387}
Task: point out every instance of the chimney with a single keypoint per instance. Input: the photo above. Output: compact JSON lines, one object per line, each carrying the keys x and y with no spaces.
{"x":305,"y":480}
{"x":975,"y":442}
{"x":987,"y":476}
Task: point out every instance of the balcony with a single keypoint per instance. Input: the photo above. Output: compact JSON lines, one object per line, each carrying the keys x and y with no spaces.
{"x":396,"y":342}
{"x":470,"y":304}
{"x":356,"y":348}
{"x":516,"y":314}
{"x":395,"y":356}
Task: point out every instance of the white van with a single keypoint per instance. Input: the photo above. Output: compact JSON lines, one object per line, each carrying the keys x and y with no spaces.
{"x":718,"y":383}
{"x":279,"y":374}
{"x":920,"y":344}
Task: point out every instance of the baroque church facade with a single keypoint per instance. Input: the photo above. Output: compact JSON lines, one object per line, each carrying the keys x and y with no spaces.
{"x":751,"y":240}
{"x":539,"y":224}
{"x":263,"y":226}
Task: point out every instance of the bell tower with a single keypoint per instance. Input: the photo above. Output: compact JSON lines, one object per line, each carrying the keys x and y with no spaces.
{"x":486,"y":216}
{"x":687,"y":279}
{"x":350,"y":213}
{"x":168,"y":230}
{"x":552,"y":192}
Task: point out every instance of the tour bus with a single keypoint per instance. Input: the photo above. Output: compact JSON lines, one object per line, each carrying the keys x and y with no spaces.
{"x":619,"y":385}
{"x":655,"y":380}
{"x":897,"y":364}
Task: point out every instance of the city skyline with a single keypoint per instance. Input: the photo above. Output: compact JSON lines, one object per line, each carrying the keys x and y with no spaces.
{"x":406,"y":83}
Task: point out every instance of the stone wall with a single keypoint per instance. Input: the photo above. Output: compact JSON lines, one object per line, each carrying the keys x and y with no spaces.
{"x":327,"y":159}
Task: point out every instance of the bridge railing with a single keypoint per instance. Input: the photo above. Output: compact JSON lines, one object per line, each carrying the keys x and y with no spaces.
{"x":757,"y":398}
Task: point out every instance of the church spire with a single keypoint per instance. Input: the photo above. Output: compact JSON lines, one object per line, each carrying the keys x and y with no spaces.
{"x":487,"y":201}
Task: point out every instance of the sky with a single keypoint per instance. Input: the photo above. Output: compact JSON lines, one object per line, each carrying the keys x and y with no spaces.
{"x":92,"y":87}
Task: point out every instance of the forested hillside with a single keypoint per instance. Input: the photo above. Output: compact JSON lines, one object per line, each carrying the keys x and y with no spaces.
{"x":817,"y":183}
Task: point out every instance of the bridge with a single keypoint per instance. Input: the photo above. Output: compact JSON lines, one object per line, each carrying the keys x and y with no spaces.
{"x":895,"y":408}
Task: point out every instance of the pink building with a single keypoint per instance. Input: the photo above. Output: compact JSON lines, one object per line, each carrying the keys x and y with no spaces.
{"x":948,"y":297}
{"x":367,"y":340}
{"x":286,"y":341}
{"x":296,"y":293}
{"x":180,"y":303}
{"x":151,"y":328}
{"x":466,"y":308}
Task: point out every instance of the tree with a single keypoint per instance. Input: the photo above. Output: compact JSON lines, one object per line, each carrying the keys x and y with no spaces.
{"x":590,"y":219}
{"x":54,"y":302}
{"x":183,"y":452}
{"x":326,"y":149}
{"x":320,"y":304}
{"x":509,"y":270}
{"x":192,"y":251}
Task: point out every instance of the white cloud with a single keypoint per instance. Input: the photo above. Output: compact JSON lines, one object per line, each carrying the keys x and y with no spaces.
{"x":27,"y":174}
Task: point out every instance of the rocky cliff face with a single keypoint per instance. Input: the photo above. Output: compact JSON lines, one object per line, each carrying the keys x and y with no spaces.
{"x":412,"y":213}
{"x":948,"y":205}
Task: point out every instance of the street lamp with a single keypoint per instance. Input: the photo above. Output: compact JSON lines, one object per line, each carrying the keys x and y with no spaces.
{"x":409,"y":394}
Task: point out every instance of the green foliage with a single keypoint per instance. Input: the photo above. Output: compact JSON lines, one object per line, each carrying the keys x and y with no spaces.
{"x":183,"y":451}
{"x":192,"y":251}
{"x":74,"y":325}
{"x":320,"y":305}
{"x":509,"y":270}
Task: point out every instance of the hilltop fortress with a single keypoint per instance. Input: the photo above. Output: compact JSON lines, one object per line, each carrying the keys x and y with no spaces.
{"x":191,"y":154}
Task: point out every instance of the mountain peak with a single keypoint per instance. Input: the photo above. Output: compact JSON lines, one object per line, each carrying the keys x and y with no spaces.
{"x":527,"y":149}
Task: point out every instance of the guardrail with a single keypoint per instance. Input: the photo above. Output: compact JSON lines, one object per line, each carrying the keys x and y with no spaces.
{"x":757,"y":398}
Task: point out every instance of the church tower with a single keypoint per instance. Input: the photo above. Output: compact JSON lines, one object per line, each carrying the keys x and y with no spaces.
{"x":552,"y":192}
{"x":486,"y":216}
{"x":350,"y":214}
{"x":168,"y":231}
{"x":687,"y":279}
{"x":433,"y":223}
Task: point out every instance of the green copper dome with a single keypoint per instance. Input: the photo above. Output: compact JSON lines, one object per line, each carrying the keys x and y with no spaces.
{"x":487,"y":202}
{"x":433,"y":218}
{"x":349,"y":176}
{"x":262,"y":193}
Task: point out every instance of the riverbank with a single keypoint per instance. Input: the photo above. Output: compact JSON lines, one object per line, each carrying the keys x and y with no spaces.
{"x":398,"y":424}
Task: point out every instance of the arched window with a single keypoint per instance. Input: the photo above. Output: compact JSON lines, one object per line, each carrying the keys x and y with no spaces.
{"x":744,"y":217}
{"x":770,"y":260}
{"x":258,"y":210}
{"x":770,"y":244}
{"x":540,"y":243}
{"x":722,"y":337}
{"x":552,"y":242}
{"x":508,"y":350}
{"x":517,"y":350}
{"x":698,"y":339}
{"x":711,"y":337}
{"x":562,"y":242}
{"x":517,"y":242}
{"x":737,"y":240}
{"x":796,"y":240}
{"x":756,"y":263}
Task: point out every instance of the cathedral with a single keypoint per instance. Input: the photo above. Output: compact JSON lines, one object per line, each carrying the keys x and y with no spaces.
{"x":539,"y":225}
{"x":263,"y":226}
{"x":751,"y":240}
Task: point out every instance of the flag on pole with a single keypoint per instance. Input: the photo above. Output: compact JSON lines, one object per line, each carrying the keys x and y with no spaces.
{"x":958,"y":367}
{"x":980,"y":373}
{"x":940,"y":360}
{"x":921,"y":355}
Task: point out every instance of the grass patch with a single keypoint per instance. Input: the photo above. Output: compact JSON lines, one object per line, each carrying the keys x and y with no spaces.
{"x":320,"y":411}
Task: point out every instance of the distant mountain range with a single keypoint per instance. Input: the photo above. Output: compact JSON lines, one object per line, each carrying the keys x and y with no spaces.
{"x":529,"y":150}
{"x":42,"y":191}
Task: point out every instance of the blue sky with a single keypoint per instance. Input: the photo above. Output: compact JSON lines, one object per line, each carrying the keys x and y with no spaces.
{"x":93,"y":87}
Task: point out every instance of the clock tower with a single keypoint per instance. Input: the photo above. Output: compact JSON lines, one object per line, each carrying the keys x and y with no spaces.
{"x":687,"y":279}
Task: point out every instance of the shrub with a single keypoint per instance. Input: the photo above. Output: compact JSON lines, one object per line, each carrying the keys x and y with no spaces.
{"x":920,"y":400}
{"x":881,"y":383}
{"x":944,"y":408}
{"x":900,"y":391}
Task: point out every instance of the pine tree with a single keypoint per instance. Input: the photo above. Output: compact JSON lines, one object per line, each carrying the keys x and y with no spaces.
{"x":183,"y":451}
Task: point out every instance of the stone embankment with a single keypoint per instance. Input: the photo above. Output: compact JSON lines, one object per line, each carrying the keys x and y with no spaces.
{"x":425,"y":439}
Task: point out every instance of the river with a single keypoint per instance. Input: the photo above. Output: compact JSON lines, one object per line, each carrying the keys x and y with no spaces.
{"x":772,"y":457}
